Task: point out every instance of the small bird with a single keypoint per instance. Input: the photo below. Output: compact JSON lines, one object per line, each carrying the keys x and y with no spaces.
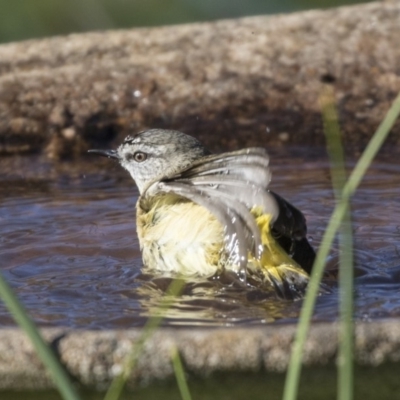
{"x":200,"y":214}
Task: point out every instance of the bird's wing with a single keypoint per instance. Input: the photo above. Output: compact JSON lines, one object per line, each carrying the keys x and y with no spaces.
{"x":241,"y":231}
{"x":242,"y":175}
{"x":245,"y":176}
{"x":230,"y":185}
{"x":290,"y":222}
{"x":248,"y":165}
{"x":290,"y":230}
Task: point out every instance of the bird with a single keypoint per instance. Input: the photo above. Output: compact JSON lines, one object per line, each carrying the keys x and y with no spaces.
{"x":201,"y":214}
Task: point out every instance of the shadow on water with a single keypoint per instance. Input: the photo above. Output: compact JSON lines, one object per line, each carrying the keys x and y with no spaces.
{"x":68,"y":247}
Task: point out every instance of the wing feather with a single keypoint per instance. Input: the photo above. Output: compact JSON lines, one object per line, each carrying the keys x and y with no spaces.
{"x":249,"y":165}
{"x":249,"y":194}
{"x":235,"y":237}
{"x":229,"y":185}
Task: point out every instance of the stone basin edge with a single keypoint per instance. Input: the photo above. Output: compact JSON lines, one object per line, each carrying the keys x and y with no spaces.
{"x":93,"y":358}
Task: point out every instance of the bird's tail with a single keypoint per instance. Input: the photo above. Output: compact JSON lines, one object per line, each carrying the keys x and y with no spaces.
{"x":275,"y":265}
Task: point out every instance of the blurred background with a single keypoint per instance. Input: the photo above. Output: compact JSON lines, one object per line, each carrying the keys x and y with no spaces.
{"x":25,"y":19}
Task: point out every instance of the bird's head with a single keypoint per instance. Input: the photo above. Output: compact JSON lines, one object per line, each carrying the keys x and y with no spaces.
{"x":156,"y":154}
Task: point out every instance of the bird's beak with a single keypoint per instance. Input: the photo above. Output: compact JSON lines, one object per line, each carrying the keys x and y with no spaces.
{"x":106,"y":153}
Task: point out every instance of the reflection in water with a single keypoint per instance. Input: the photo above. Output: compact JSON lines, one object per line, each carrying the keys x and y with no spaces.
{"x":213,"y":303}
{"x":68,"y":246}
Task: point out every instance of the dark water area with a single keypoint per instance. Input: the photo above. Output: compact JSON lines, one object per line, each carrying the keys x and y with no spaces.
{"x":68,"y":246}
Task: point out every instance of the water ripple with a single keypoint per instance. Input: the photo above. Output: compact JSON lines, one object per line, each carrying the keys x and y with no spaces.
{"x":68,"y":246}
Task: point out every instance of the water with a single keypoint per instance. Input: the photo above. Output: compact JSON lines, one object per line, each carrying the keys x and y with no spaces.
{"x":68,"y":247}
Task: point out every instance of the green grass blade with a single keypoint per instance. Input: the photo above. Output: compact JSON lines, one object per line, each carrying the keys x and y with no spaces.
{"x":338,"y":174}
{"x":333,"y":141}
{"x":117,"y":386}
{"x":293,"y":373}
{"x":46,"y":354}
{"x":180,"y":375}
{"x":346,"y":306}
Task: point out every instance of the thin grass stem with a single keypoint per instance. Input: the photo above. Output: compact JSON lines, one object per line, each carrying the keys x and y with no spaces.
{"x":346,"y":265}
{"x":117,"y":386}
{"x":293,"y":373}
{"x":346,"y":306}
{"x":180,"y":375}
{"x":46,"y":354}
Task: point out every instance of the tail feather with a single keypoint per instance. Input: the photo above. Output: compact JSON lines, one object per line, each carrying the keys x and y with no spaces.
{"x":289,"y":278}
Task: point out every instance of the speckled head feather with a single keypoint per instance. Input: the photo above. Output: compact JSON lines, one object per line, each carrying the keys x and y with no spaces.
{"x":158,"y":154}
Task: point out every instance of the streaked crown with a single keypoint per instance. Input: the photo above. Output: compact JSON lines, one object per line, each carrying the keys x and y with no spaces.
{"x":157,"y":153}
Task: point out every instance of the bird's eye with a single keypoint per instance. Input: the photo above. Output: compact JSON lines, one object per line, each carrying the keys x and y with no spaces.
{"x":139,"y":156}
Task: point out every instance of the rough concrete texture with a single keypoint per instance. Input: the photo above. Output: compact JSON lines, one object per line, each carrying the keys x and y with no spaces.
{"x":232,"y":83}
{"x":94,"y":357}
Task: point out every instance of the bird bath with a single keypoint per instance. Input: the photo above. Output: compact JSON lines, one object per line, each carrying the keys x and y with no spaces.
{"x":68,"y":243}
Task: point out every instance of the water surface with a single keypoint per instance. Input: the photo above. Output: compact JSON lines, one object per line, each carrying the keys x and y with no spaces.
{"x":68,"y":246}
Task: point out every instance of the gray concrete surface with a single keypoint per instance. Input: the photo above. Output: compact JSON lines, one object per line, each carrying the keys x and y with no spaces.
{"x":233,"y":83}
{"x":94,"y":357}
